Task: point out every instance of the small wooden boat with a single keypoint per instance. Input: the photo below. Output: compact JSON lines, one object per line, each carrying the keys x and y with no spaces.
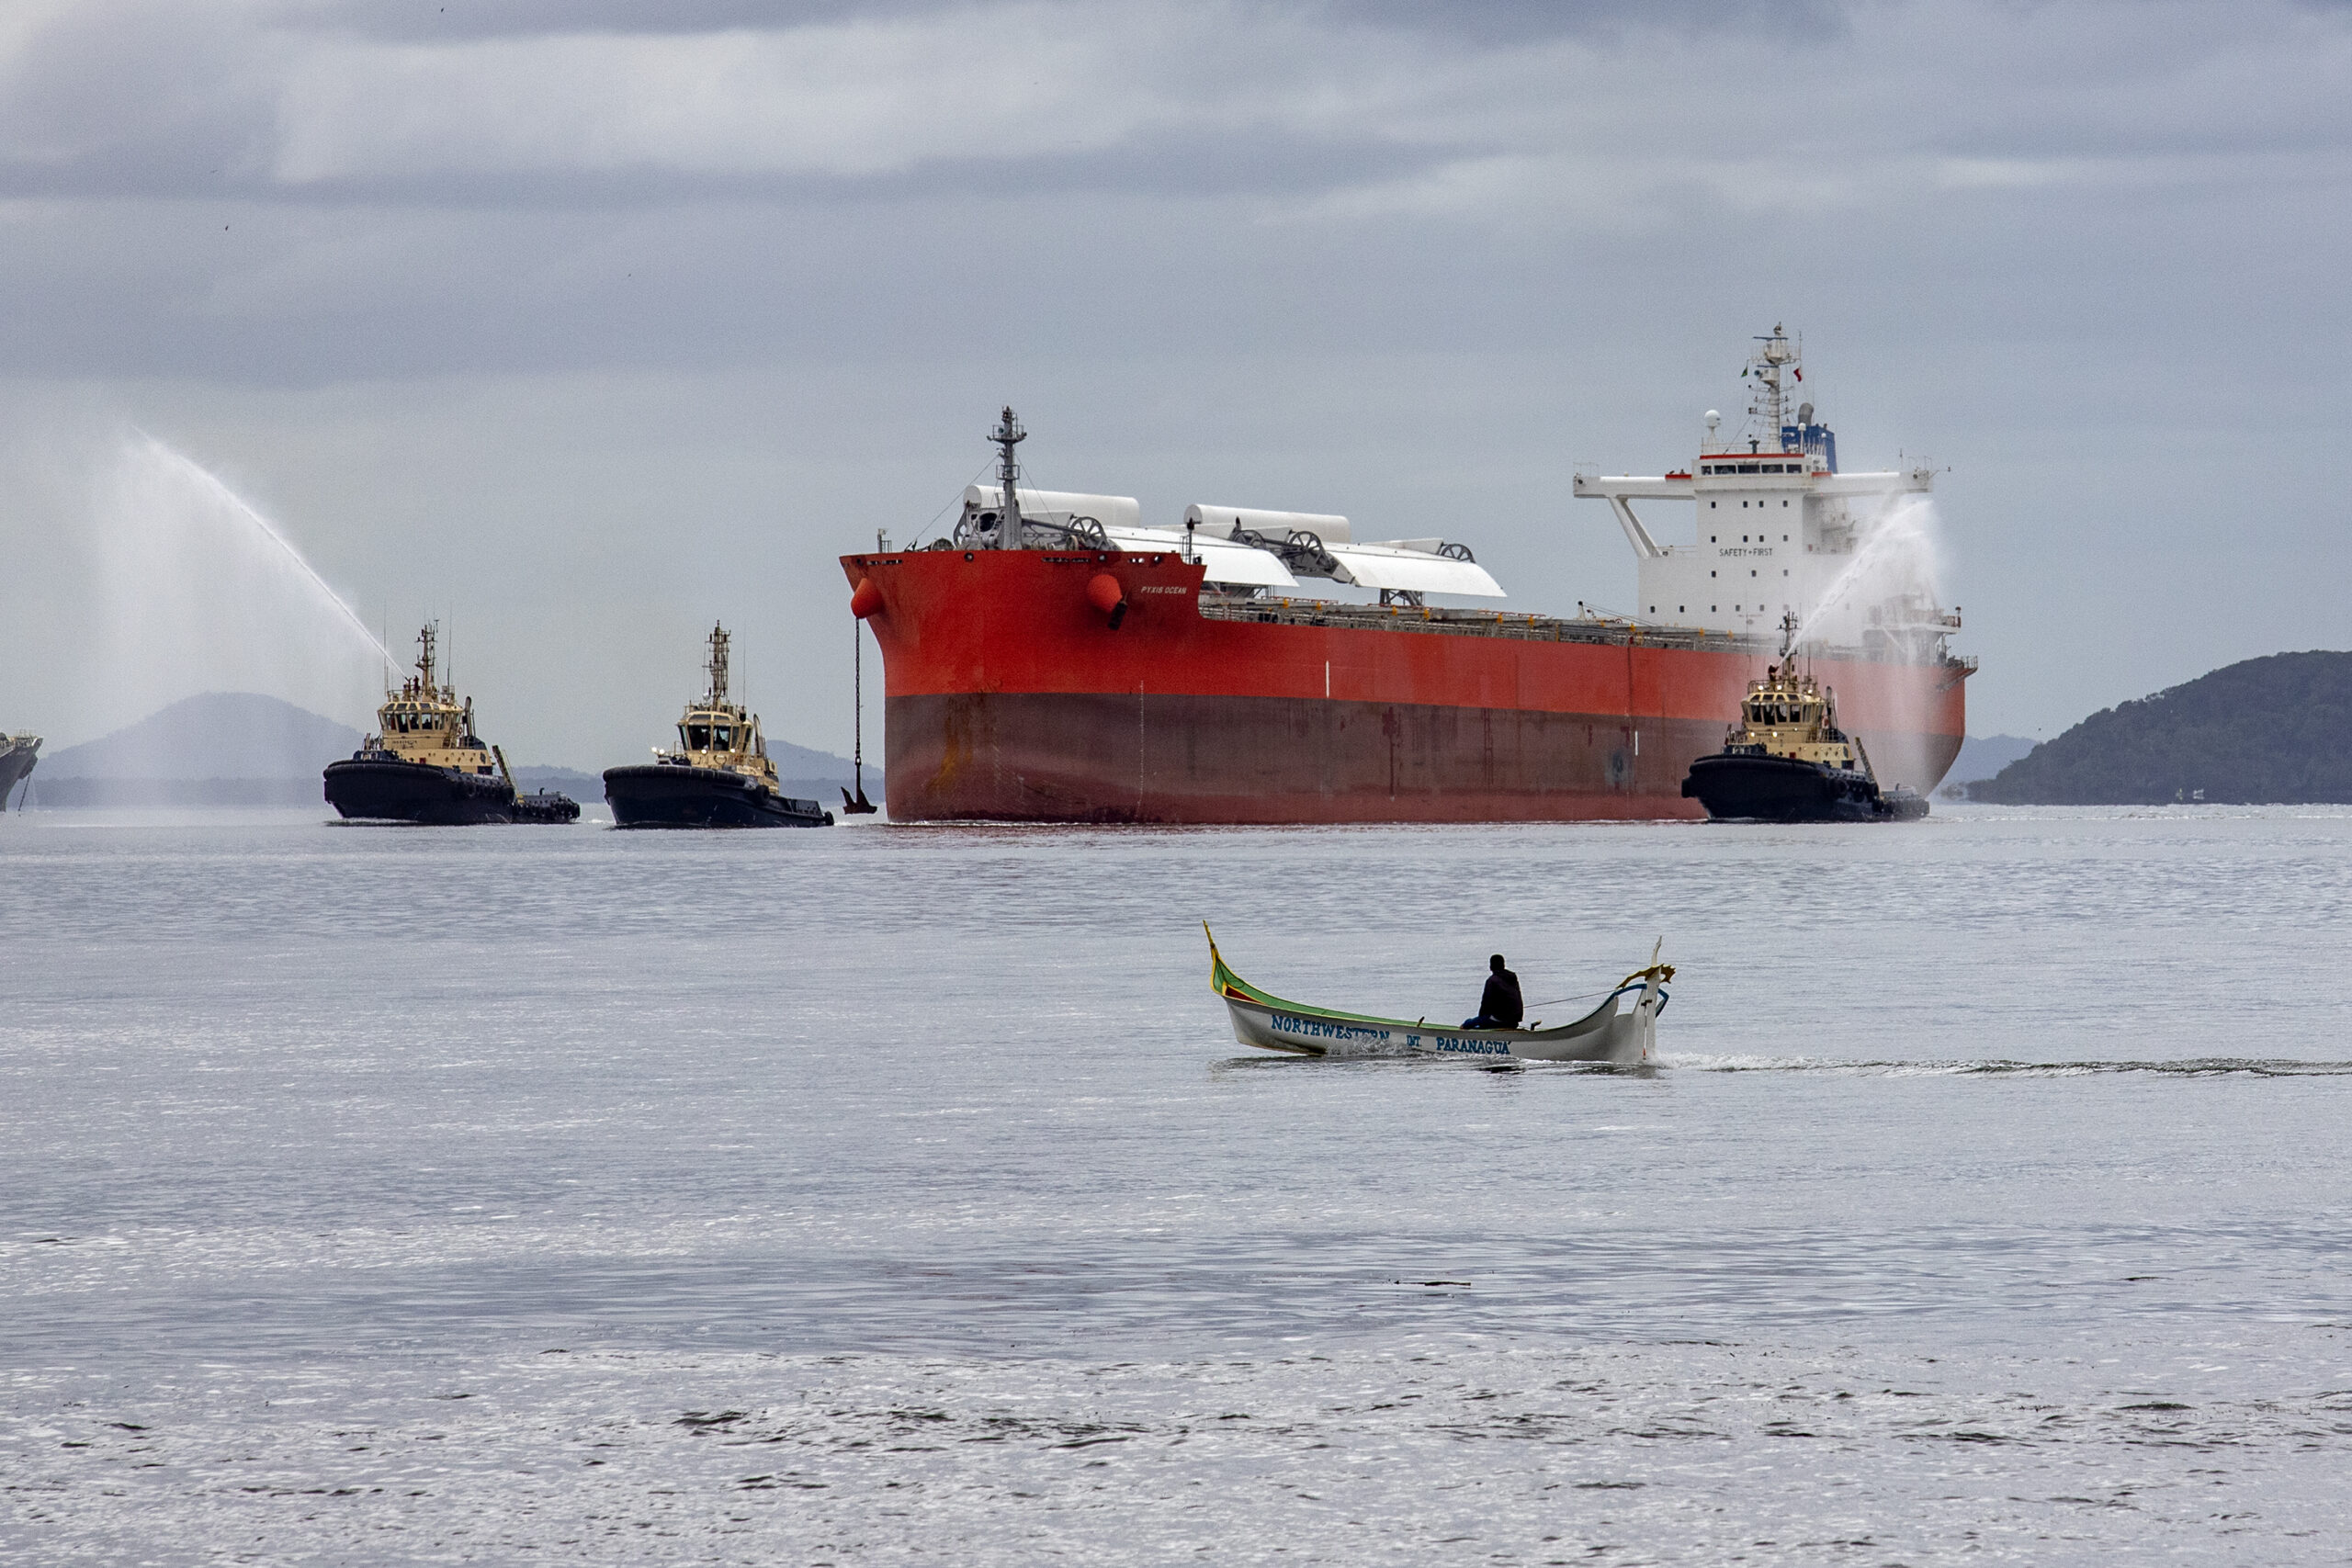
{"x":1607,"y":1034}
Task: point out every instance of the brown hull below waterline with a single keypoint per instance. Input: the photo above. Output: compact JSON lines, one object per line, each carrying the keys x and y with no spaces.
{"x":1089,"y":757}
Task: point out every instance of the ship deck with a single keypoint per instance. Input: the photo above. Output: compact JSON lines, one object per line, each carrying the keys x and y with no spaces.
{"x":1601,"y":631}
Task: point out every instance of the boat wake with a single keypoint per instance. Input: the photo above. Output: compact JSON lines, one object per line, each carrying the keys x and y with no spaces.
{"x":2183,"y":1066}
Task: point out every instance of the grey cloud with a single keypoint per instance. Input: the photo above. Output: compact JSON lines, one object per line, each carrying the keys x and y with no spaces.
{"x":1519,"y":21}
{"x":427,"y":21}
{"x":151,"y":100}
{"x":1480,"y":21}
{"x":2048,"y":243}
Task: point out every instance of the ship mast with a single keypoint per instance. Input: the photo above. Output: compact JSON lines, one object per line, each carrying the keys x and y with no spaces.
{"x":1007,"y":435}
{"x":1771,"y":398}
{"x":718,"y":665}
{"x":425,"y":659}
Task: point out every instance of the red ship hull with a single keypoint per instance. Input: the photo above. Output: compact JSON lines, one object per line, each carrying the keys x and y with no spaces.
{"x":1011,"y":696}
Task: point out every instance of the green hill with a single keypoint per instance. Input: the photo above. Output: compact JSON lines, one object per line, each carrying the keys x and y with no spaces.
{"x":2270,"y":730}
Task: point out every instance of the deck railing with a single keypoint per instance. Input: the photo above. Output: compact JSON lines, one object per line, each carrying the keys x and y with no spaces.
{"x":1617,"y":632}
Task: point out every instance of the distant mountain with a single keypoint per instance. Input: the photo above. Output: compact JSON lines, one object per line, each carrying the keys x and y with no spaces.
{"x":571,"y":781}
{"x":219,"y":735}
{"x":1982,"y":756}
{"x":2277,"y":728}
{"x":801,"y":763}
{"x":794,"y":764}
{"x":242,"y":747}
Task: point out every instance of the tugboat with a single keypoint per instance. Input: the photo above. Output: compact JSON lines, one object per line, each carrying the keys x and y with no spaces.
{"x":427,"y":764}
{"x":719,"y":777}
{"x":18,"y":755}
{"x":1787,"y":761}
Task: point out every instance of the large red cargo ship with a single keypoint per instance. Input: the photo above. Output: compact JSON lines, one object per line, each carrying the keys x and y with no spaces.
{"x":1049,"y":663}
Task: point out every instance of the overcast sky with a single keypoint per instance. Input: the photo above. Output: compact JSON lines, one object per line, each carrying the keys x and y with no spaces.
{"x":581,"y":324}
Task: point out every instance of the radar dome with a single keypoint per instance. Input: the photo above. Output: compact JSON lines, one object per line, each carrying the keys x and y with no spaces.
{"x":1714,"y":419}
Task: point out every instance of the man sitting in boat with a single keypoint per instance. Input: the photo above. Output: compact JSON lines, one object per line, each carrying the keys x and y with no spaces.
{"x":1498,"y":1006}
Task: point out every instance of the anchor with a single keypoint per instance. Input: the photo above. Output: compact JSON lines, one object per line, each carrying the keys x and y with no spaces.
{"x":858,"y":806}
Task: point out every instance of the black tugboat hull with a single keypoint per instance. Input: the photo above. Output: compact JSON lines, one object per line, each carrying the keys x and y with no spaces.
{"x":659,"y":795}
{"x":366,"y":789}
{"x":1746,"y":788}
{"x":372,"y":790}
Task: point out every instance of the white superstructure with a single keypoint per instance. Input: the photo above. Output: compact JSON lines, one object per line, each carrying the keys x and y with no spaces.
{"x":1780,"y":531}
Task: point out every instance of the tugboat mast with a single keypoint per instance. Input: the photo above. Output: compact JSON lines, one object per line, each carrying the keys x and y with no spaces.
{"x":425,"y":659}
{"x":718,"y":665}
{"x":1007,"y":435}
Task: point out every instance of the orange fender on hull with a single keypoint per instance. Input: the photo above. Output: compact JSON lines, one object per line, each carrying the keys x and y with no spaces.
{"x":1102,"y":590}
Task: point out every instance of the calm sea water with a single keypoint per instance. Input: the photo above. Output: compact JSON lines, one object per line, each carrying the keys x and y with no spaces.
{"x":896,"y":1194}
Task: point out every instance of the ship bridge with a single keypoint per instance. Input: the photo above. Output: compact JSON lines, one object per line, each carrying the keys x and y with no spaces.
{"x":1777,"y":530}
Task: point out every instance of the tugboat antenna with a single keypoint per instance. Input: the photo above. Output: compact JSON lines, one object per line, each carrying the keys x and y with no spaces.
{"x":1007,"y":435}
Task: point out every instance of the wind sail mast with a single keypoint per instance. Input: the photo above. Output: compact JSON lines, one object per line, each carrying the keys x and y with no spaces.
{"x":1007,"y":435}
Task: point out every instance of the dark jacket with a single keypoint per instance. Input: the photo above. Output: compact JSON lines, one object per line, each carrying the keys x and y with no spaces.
{"x":1500,"y":1001}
